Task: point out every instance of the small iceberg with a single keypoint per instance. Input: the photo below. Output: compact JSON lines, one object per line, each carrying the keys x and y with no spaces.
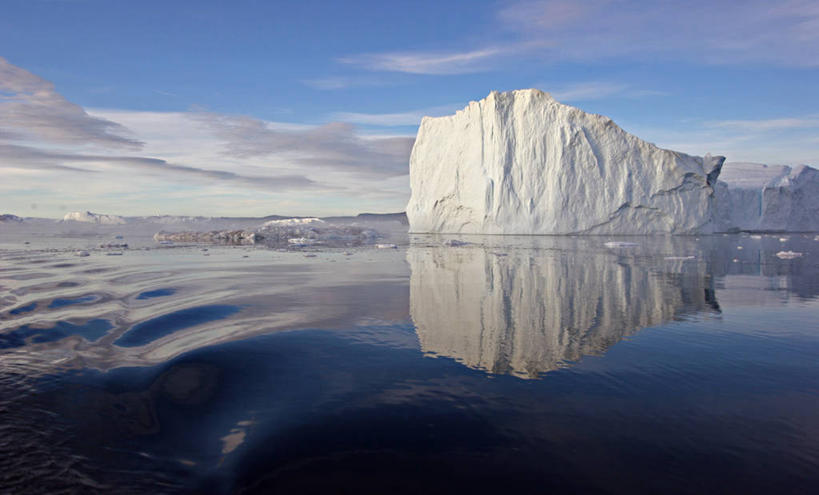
{"x":619,"y":244}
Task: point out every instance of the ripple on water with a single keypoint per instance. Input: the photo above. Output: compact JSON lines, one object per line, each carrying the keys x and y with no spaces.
{"x":155,"y":328}
{"x":91,"y":331}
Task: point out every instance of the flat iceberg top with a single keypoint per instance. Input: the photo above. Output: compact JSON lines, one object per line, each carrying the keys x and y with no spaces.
{"x":520,"y":162}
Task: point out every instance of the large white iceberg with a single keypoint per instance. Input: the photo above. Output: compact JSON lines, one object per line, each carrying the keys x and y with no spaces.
{"x":522,"y":163}
{"x":756,"y":197}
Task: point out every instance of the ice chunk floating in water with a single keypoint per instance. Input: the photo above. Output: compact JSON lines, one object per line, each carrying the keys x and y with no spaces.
{"x":522,"y":163}
{"x":88,"y":217}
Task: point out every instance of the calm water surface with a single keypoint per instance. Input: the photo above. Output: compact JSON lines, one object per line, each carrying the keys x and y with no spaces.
{"x":534,"y":365}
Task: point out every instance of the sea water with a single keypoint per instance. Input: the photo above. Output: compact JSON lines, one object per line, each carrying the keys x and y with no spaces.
{"x":488,"y":364}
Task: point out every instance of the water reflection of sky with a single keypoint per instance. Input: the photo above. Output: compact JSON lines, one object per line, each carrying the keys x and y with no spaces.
{"x":679,"y":362}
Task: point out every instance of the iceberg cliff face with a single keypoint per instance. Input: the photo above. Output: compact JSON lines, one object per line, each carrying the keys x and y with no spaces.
{"x":756,"y":197}
{"x":522,"y":163}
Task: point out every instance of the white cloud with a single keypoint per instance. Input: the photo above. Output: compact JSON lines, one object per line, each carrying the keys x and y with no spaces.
{"x":128,"y":162}
{"x":31,"y":108}
{"x":331,"y":147}
{"x":440,"y":63}
{"x":728,"y":32}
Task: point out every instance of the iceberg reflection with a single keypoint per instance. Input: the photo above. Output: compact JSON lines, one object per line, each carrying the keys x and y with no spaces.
{"x":528,"y":311}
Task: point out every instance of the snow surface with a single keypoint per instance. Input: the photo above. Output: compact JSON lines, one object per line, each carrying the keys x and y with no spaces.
{"x":756,"y":197}
{"x":522,"y":163}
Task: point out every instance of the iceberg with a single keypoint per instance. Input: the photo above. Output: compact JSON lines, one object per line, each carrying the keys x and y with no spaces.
{"x":757,"y":197}
{"x":520,"y":162}
{"x":88,"y":217}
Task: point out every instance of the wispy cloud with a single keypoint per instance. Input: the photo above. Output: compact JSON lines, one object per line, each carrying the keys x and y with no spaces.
{"x":138,"y":161}
{"x":727,"y":32}
{"x":440,"y":63}
{"x":331,"y":147}
{"x":31,"y":108}
{"x":16,"y":156}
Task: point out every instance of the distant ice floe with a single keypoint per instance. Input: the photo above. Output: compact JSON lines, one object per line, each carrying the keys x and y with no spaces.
{"x":290,"y":233}
{"x":89,"y":217}
{"x":236,"y":237}
{"x":620,"y":244}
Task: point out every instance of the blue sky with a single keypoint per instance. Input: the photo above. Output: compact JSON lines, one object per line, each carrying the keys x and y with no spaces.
{"x":308,"y":107}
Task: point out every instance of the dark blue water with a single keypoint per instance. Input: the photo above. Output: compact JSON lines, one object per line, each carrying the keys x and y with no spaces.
{"x":149,"y":294}
{"x":155,"y":328}
{"x":484,"y":369}
{"x":25,"y":334}
{"x":60,"y":302}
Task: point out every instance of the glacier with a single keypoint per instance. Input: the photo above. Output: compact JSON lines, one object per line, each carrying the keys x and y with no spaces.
{"x":757,"y":197}
{"x":520,"y":162}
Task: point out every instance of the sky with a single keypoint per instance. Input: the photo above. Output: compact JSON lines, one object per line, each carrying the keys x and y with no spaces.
{"x":253,"y":108}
